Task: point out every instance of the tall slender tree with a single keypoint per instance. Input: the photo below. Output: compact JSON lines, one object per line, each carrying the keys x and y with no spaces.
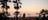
{"x":4,"y":3}
{"x":17,"y":7}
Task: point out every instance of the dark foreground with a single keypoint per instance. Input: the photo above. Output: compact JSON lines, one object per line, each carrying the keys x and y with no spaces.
{"x":27,"y":18}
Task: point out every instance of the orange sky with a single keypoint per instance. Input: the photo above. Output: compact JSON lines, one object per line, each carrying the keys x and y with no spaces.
{"x":29,"y":6}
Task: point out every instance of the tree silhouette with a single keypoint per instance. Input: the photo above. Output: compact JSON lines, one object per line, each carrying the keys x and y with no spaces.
{"x":4,"y":3}
{"x":24,"y":16}
{"x":43,"y":12}
{"x":17,"y":7}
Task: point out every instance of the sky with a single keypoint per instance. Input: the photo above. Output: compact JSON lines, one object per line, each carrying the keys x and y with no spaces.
{"x":30,"y":6}
{"x":34,"y":6}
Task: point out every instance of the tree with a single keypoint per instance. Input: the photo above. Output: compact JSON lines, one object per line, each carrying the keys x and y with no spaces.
{"x":17,"y":7}
{"x":43,"y":12}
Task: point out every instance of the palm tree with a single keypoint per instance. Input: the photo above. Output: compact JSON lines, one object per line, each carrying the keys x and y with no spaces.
{"x":17,"y":7}
{"x":4,"y":3}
